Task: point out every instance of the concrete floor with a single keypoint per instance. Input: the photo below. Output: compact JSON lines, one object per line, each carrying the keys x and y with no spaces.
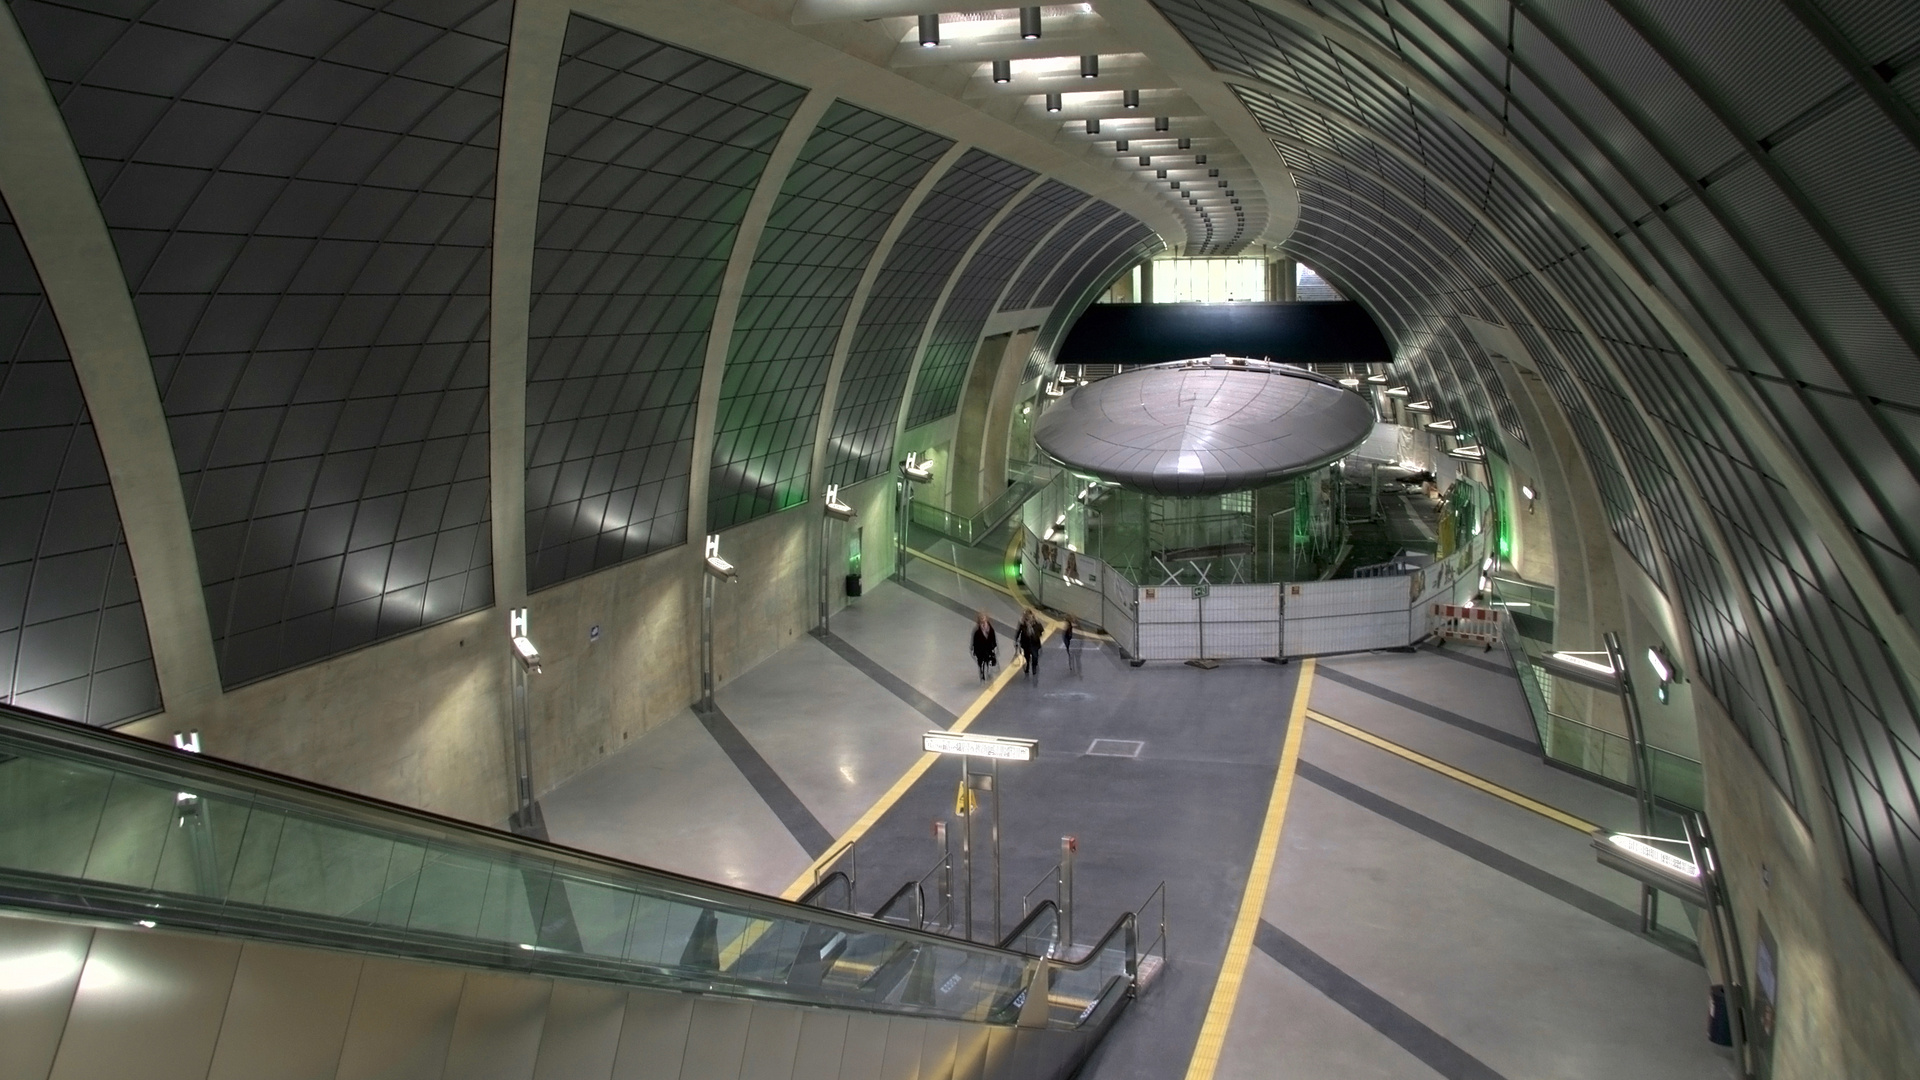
{"x":1412,"y":926}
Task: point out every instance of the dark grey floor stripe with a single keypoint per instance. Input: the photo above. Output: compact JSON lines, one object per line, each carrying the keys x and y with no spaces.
{"x":1465,"y":655}
{"x":813,"y":836}
{"x":1487,"y":731}
{"x":1486,"y":854}
{"x":953,"y":605}
{"x":890,"y":682}
{"x":1435,"y":1050}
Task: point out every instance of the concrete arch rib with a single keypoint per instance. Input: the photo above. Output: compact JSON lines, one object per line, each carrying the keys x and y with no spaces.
{"x":746,"y":243}
{"x":539,"y":31}
{"x":836,"y":368}
{"x":1901,"y":636}
{"x":53,"y":206}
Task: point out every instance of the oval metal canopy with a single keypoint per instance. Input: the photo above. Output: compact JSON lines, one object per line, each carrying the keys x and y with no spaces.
{"x":1203,"y":427}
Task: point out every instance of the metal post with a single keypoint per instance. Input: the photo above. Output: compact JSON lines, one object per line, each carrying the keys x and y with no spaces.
{"x":522,"y":746}
{"x":966,"y":847}
{"x":1200,"y":610}
{"x":1642,"y":793}
{"x":706,"y":641}
{"x":993,"y":785}
{"x":946,"y":871}
{"x":824,"y":520}
{"x":1064,"y":898}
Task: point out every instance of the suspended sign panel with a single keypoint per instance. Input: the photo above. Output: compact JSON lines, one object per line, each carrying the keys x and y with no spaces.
{"x":1346,"y":616}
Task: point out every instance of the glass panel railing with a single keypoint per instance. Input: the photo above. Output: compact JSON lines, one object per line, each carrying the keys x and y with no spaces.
{"x":110,"y":827}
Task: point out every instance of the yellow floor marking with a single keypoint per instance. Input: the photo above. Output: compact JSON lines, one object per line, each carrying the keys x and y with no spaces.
{"x":1447,"y":770}
{"x":919,"y":768}
{"x":1226,"y":992}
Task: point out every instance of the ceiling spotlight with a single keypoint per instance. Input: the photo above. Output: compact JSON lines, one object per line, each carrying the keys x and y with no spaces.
{"x":1145,"y":160}
{"x":1199,"y":159}
{"x":1213,"y":172}
{"x":1159,"y":173}
{"x":1090,"y":66}
{"x":1093,"y":125}
{"x":1185,"y":143}
{"x":1030,"y":23}
{"x":1120,"y":146}
{"x":1002,"y":71}
{"x":1176,"y":183}
{"x":1130,"y":98}
{"x":1223,"y":183}
{"x":929,"y":31}
{"x":1053,"y":102}
{"x":1161,"y":123}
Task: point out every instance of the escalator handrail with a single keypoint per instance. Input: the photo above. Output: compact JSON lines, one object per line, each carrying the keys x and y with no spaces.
{"x":919,"y":906}
{"x":168,"y":767}
{"x":1128,"y":922}
{"x":808,"y":898}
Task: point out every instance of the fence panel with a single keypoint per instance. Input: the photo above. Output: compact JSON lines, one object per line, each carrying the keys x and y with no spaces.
{"x":1169,"y":623}
{"x":1241,"y":622}
{"x":1346,"y":616}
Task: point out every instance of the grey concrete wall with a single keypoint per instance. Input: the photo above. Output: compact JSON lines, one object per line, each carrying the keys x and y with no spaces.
{"x":1846,"y":1007}
{"x":422,"y":719}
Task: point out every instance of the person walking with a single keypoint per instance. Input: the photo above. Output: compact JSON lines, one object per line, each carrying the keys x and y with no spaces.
{"x":1027,"y":637}
{"x":1067,"y":640}
{"x":986,"y":644}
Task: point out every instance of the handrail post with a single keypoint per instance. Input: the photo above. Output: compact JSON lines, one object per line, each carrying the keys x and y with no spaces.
{"x":1063,"y":895}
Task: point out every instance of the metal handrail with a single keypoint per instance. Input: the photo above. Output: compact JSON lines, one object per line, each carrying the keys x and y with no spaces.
{"x":911,"y":888}
{"x":812,"y":896}
{"x":1052,"y":875}
{"x":1020,"y":928}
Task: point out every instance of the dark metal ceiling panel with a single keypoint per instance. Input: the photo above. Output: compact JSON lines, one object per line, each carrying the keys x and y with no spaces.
{"x":936,"y":390}
{"x":73,"y":634}
{"x":900,"y":305}
{"x":653,"y":153}
{"x":1083,"y":259}
{"x":1020,"y":294}
{"x":301,"y":198}
{"x":855,"y":171}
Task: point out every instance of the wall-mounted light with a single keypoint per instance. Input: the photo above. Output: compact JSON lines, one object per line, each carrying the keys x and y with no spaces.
{"x":1002,"y":71}
{"x":1093,"y":125}
{"x":1161,"y":123}
{"x":1662,"y":666}
{"x":1053,"y":102}
{"x":1030,"y":23}
{"x":929,"y":31}
{"x":188,"y":741}
{"x":1443,"y":425}
{"x":1130,"y":98}
{"x":1586,"y":662}
{"x":717,"y":566}
{"x":834,"y":507}
{"x":1350,"y":383}
{"x":1397,"y":391}
{"x":1419,"y":406}
{"x":1090,"y":66}
{"x":522,"y":645}
{"x":916,"y":470}
{"x":1376,"y":378}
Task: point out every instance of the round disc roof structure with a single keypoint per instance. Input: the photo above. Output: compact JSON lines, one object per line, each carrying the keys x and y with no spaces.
{"x":1203,"y":427}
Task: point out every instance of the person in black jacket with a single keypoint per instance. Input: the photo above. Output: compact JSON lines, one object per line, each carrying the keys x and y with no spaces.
{"x":1067,"y":636}
{"x":1027,"y":637}
{"x":986,"y":644}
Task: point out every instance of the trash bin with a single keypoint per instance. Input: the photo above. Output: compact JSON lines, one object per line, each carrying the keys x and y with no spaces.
{"x":853,"y":586}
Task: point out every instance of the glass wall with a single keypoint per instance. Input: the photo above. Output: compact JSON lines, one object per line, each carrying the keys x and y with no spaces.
{"x":1309,"y":285}
{"x":1208,"y":281}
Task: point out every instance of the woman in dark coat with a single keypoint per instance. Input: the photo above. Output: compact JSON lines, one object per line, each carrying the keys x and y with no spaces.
{"x":986,"y":644}
{"x":1027,"y":637}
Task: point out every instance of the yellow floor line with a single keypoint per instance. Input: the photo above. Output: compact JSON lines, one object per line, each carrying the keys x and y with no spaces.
{"x":919,"y":768}
{"x":965,"y":573}
{"x":1464,"y":777}
{"x":1226,"y":991}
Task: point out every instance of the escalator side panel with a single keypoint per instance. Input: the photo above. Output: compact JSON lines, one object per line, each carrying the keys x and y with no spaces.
{"x":287,"y":1013}
{"x":49,"y":957}
{"x":653,"y":1036}
{"x":582,"y":1036}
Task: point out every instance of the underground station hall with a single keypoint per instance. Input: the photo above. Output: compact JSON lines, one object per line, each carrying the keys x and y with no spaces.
{"x":900,"y":540}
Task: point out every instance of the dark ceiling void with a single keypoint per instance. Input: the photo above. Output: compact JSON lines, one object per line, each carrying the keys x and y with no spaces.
{"x":1321,"y":332}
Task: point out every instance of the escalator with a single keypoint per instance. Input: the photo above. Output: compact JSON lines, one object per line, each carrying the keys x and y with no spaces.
{"x":163,"y":913}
